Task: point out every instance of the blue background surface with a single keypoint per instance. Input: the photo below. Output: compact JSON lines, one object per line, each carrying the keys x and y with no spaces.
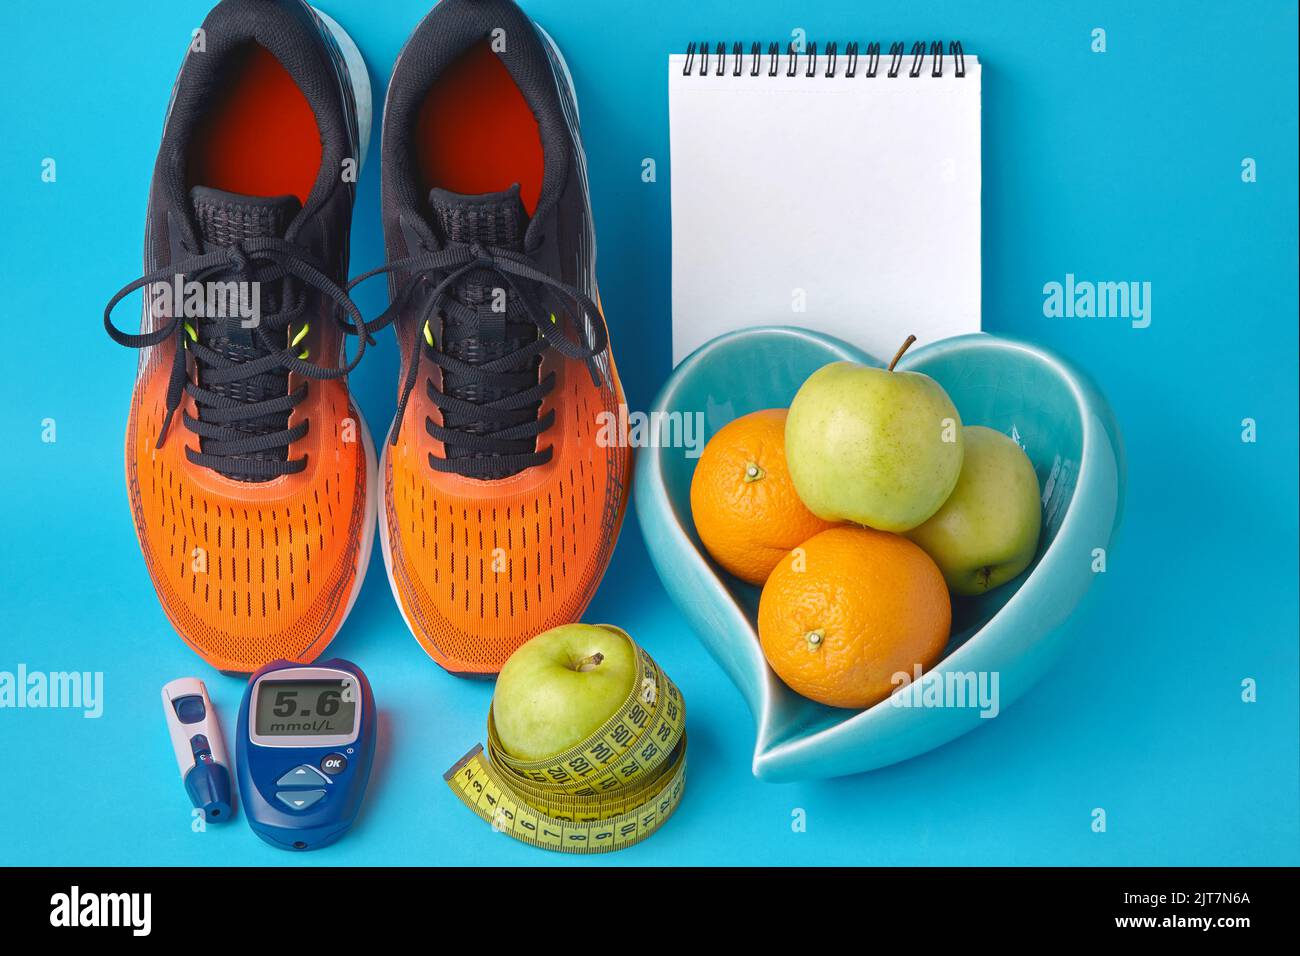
{"x":1122,"y":165}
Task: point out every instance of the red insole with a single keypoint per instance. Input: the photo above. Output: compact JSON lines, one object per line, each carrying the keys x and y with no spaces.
{"x":476,"y":133}
{"x":260,"y":138}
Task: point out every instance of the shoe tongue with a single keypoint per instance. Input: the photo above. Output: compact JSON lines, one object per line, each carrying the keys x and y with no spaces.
{"x":224,"y":218}
{"x":495,"y":219}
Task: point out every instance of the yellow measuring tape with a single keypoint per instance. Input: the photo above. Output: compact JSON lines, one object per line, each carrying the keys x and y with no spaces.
{"x":608,"y":792}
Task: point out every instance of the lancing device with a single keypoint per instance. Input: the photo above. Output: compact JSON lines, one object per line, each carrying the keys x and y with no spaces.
{"x":200,"y":748}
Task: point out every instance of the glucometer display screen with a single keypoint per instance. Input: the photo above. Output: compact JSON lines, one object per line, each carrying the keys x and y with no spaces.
{"x":306,"y":708}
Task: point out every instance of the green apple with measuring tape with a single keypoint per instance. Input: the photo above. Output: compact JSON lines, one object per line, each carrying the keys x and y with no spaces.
{"x":586,"y":744}
{"x":560,"y":687}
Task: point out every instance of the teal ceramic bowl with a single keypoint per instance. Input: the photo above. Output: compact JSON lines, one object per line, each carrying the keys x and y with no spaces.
{"x":1002,"y":642}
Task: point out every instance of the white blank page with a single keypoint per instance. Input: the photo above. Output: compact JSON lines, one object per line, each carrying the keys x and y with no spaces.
{"x":847,"y":205}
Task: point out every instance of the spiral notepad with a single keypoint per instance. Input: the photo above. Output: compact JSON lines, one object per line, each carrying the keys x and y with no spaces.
{"x":837,"y":189}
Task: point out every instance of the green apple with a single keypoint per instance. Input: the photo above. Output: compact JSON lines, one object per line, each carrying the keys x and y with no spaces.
{"x":987,"y":531}
{"x":873,"y":445}
{"x":557,"y":689}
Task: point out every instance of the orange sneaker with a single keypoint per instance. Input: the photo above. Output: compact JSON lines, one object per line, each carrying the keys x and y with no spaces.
{"x":254,"y":505}
{"x":501,"y":507}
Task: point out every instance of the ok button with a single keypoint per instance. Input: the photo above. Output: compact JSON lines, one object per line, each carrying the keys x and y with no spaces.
{"x":334,"y":764}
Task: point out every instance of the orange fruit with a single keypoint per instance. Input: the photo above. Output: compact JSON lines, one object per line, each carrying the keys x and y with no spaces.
{"x":744,"y":504}
{"x":853,"y":607}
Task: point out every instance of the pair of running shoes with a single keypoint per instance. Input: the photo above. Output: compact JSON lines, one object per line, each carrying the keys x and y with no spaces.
{"x":252,"y":477}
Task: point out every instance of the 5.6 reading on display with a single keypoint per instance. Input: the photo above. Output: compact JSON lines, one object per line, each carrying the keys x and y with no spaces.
{"x":325,"y":707}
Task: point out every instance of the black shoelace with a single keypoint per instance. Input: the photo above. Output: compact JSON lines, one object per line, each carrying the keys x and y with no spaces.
{"x":488,"y":444}
{"x":224,"y":446}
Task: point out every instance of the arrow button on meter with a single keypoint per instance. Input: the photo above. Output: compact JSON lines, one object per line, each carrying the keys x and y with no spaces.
{"x":304,"y":775}
{"x":299,"y":799}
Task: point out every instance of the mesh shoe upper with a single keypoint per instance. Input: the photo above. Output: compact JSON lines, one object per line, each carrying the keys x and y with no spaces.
{"x":251,"y":567}
{"x":501,"y":506}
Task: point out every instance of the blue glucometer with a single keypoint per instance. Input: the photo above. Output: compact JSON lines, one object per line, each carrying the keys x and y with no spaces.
{"x":306,"y":740}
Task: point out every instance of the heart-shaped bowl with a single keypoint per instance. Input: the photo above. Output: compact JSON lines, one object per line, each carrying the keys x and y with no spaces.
{"x":1001,"y":643}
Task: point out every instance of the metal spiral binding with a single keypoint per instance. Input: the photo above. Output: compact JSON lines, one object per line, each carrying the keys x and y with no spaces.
{"x":699,"y":58}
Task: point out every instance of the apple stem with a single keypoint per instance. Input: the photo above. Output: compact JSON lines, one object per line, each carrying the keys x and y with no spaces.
{"x":590,"y":663}
{"x":906,"y":346}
